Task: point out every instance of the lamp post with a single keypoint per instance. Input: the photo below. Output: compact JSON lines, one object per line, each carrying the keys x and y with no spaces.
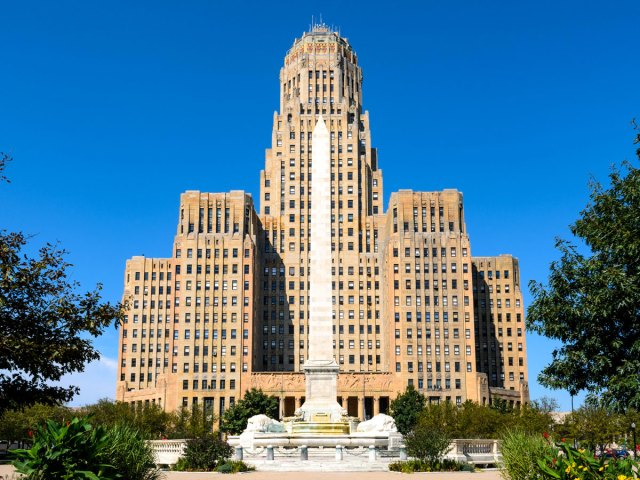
{"x":633,"y":429}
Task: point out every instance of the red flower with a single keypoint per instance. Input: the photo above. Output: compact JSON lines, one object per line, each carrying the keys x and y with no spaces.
{"x":545,"y":435}
{"x":30,"y":434}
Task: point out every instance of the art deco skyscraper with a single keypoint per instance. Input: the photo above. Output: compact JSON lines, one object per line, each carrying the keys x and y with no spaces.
{"x":321,"y":76}
{"x":230,"y":309}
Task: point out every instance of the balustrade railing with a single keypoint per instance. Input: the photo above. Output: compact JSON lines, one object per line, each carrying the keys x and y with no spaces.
{"x":479,"y":452}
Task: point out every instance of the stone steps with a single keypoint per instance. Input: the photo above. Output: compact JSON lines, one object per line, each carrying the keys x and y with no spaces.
{"x":288,"y":465}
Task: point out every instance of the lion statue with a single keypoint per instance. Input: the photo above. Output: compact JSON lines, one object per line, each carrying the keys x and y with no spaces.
{"x":379,"y":423}
{"x":264,"y":424}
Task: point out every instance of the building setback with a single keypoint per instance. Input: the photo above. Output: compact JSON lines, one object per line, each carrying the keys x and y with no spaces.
{"x":229,"y":310}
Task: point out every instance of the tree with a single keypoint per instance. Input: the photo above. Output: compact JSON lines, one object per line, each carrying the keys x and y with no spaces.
{"x":426,"y":443}
{"x":195,"y":421}
{"x":473,"y":420}
{"x":21,"y":424}
{"x":45,"y":325}
{"x":546,"y":404}
{"x":592,"y":300}
{"x":406,"y":409}
{"x":150,"y":420}
{"x":4,"y":160}
{"x":254,"y":402}
{"x":594,"y":426}
{"x":442,"y":417}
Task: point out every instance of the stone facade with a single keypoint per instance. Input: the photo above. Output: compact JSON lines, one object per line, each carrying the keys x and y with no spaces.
{"x":229,"y":310}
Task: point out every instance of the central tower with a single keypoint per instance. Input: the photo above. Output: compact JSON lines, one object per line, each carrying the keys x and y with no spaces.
{"x":321,"y":77}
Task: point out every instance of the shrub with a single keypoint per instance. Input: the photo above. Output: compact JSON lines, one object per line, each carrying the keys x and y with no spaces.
{"x":78,"y":450}
{"x":65,"y":452}
{"x":445,"y":465}
{"x":520,"y":453}
{"x":234,"y":466}
{"x":130,"y":454}
{"x":204,"y":454}
{"x":427,"y":445}
{"x":225,"y":468}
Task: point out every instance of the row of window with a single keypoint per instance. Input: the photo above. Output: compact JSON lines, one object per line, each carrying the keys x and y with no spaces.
{"x":419,"y":350}
{"x":154,"y":275}
{"x":204,"y":384}
{"x":447,"y":366}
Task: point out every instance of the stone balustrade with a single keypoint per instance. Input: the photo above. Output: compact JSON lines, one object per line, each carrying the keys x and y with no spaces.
{"x":474,"y":451}
{"x":167,"y":452}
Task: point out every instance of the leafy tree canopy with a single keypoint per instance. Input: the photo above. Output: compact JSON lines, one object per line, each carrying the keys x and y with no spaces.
{"x":406,"y":409}
{"x":591,"y":302}
{"x":254,"y":402}
{"x":471,"y":420}
{"x":46,"y":327}
{"x":150,"y":421}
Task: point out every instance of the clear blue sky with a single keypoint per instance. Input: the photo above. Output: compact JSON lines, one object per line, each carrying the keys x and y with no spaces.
{"x":111,"y":109}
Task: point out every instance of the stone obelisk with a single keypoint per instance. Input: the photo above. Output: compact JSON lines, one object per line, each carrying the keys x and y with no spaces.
{"x":321,"y":369}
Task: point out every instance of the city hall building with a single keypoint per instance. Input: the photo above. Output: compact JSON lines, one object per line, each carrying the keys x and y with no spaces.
{"x":228,"y":311}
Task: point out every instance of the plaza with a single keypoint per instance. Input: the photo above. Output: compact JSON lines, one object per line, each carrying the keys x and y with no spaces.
{"x":6,"y":473}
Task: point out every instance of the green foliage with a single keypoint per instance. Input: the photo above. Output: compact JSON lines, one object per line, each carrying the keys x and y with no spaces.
{"x":45,"y":325}
{"x":151,"y":420}
{"x":130,"y":454}
{"x":75,"y":450}
{"x":427,"y":444}
{"x":595,"y":425}
{"x":234,"y":466}
{"x":406,"y":408}
{"x":254,"y":402}
{"x":471,"y":420}
{"x":592,"y":298}
{"x":446,"y":465}
{"x":531,"y":420}
{"x":20,"y":424}
{"x":66,"y":452}
{"x":520,"y":454}
{"x":204,"y":454}
{"x":191,"y":422}
{"x":573,"y":464}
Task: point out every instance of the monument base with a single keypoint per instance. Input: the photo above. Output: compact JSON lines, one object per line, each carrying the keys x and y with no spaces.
{"x":381,"y":440}
{"x":262,"y":431}
{"x":321,"y":412}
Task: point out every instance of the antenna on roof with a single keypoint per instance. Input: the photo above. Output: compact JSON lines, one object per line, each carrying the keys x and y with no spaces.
{"x":311,"y":26}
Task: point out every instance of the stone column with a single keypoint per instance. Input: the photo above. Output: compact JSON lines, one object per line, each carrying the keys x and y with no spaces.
{"x":376,"y":406}
{"x":281,"y":407}
{"x":361,"y":408}
{"x":298,"y":402}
